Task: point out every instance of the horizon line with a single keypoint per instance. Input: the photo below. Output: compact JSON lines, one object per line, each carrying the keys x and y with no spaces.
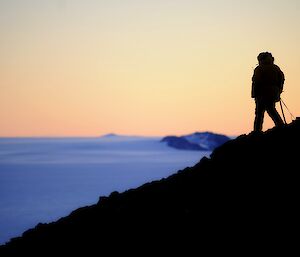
{"x":109,"y":134}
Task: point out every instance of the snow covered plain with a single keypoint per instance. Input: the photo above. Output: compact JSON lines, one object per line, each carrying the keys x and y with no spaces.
{"x":43,"y":179}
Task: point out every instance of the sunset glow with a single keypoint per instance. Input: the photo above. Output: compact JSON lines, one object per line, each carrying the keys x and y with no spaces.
{"x":157,"y":67}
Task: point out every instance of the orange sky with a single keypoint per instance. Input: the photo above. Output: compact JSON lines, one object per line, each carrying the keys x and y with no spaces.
{"x":86,"y":68}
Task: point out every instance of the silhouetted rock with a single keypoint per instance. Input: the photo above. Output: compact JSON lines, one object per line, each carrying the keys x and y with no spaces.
{"x":197,"y":141}
{"x":243,"y":199}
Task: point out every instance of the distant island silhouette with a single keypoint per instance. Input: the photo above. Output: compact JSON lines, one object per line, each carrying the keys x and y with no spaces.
{"x":198,"y":141}
{"x":245,"y":195}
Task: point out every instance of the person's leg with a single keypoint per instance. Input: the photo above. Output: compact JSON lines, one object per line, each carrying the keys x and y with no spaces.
{"x":259,"y":115}
{"x":274,"y":114}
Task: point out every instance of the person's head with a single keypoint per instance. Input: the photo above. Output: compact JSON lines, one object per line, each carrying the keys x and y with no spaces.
{"x":265,"y":58}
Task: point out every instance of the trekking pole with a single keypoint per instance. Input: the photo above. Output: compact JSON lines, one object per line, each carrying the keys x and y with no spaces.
{"x":292,"y":116}
{"x":282,"y":112}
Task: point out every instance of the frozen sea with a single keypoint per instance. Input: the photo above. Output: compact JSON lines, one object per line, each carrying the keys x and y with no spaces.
{"x":44,"y":179}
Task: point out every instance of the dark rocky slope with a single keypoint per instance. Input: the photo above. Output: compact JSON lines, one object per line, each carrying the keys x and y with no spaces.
{"x":244,"y":198}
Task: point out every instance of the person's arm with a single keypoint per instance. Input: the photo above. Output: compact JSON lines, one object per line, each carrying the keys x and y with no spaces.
{"x":281,"y":80}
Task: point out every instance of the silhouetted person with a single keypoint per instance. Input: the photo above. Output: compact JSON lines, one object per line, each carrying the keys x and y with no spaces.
{"x":267,"y":85}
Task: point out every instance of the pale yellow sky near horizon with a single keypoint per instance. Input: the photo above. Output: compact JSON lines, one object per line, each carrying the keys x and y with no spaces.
{"x":87,"y":68}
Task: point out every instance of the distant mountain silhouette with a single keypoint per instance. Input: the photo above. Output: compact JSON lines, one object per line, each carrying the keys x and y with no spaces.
{"x":198,"y":141}
{"x":181,"y":143}
{"x":243,"y":199}
{"x":110,"y":135}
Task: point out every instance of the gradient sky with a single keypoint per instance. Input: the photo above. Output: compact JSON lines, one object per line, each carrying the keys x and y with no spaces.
{"x":140,"y":67}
